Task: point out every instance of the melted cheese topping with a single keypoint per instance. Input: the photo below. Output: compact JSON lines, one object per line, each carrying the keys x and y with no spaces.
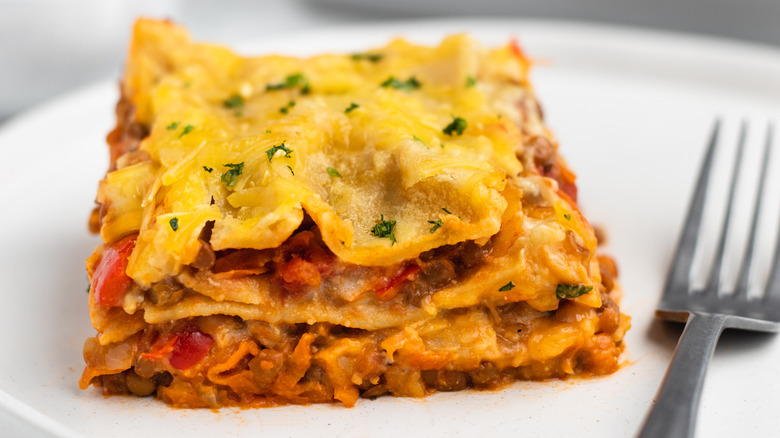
{"x":209,"y":108}
{"x":252,"y":143}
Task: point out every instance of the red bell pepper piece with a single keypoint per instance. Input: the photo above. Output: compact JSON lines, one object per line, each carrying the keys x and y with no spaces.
{"x":110,"y":282}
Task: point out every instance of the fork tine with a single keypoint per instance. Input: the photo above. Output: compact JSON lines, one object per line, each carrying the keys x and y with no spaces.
{"x":677,"y":282}
{"x":772,"y":292}
{"x":714,"y":276}
{"x":744,"y":269}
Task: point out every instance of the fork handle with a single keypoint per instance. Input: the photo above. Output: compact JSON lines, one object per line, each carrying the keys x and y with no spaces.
{"x":674,"y":413}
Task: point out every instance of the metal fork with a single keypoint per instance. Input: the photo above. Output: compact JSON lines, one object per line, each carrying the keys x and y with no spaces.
{"x":707,"y":312}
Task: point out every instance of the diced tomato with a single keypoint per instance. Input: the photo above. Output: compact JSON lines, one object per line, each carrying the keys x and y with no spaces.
{"x":190,"y":348}
{"x":183,"y":349}
{"x":407,"y":273}
{"x":110,"y":282}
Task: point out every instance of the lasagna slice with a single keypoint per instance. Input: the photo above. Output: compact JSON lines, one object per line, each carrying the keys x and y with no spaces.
{"x":285,"y":230}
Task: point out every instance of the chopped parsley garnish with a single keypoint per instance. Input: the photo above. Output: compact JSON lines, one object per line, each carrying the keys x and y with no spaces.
{"x":458,"y":125}
{"x":506,"y":287}
{"x":333,"y":172}
{"x":436,"y":225}
{"x":208,"y":169}
{"x":172,"y":126}
{"x":267,"y":131}
{"x":384,"y":228}
{"x":567,"y":216}
{"x":286,"y":109}
{"x":446,"y":211}
{"x":291,"y":171}
{"x":89,"y":286}
{"x":372,"y":57}
{"x":234,"y":102}
{"x":230,"y":177}
{"x":408,"y":85}
{"x":187,"y":130}
{"x":280,"y":147}
{"x":571,"y":290}
{"x":352,"y":106}
{"x":470,"y":81}
{"x":291,"y":81}
{"x":174,"y":223}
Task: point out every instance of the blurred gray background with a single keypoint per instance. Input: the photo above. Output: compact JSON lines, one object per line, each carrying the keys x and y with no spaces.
{"x":48,"y":47}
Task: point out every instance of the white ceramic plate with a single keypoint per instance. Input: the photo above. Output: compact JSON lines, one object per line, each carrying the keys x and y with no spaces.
{"x":632,"y":110}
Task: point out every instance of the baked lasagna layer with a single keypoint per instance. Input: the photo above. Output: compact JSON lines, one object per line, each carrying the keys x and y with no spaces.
{"x":295,"y":230}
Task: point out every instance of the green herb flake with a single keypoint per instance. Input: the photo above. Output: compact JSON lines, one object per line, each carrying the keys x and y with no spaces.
{"x":371,"y":57}
{"x":333,"y":172}
{"x":235,"y":101}
{"x":186,"y":84}
{"x":436,"y":225}
{"x":230,"y":177}
{"x":172,"y":126}
{"x":470,"y":81}
{"x":291,"y":171}
{"x":267,"y":131}
{"x":571,"y":290}
{"x":506,"y":287}
{"x":174,"y":223}
{"x":352,"y":106}
{"x":446,"y":211}
{"x":208,"y":169}
{"x":384,"y":228}
{"x":418,"y":139}
{"x":410,"y":84}
{"x":295,"y":80}
{"x":286,"y":109}
{"x":280,"y":147}
{"x":187,"y":129}
{"x":291,"y":81}
{"x":567,"y":216}
{"x":458,"y":125}
{"x":89,"y":286}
